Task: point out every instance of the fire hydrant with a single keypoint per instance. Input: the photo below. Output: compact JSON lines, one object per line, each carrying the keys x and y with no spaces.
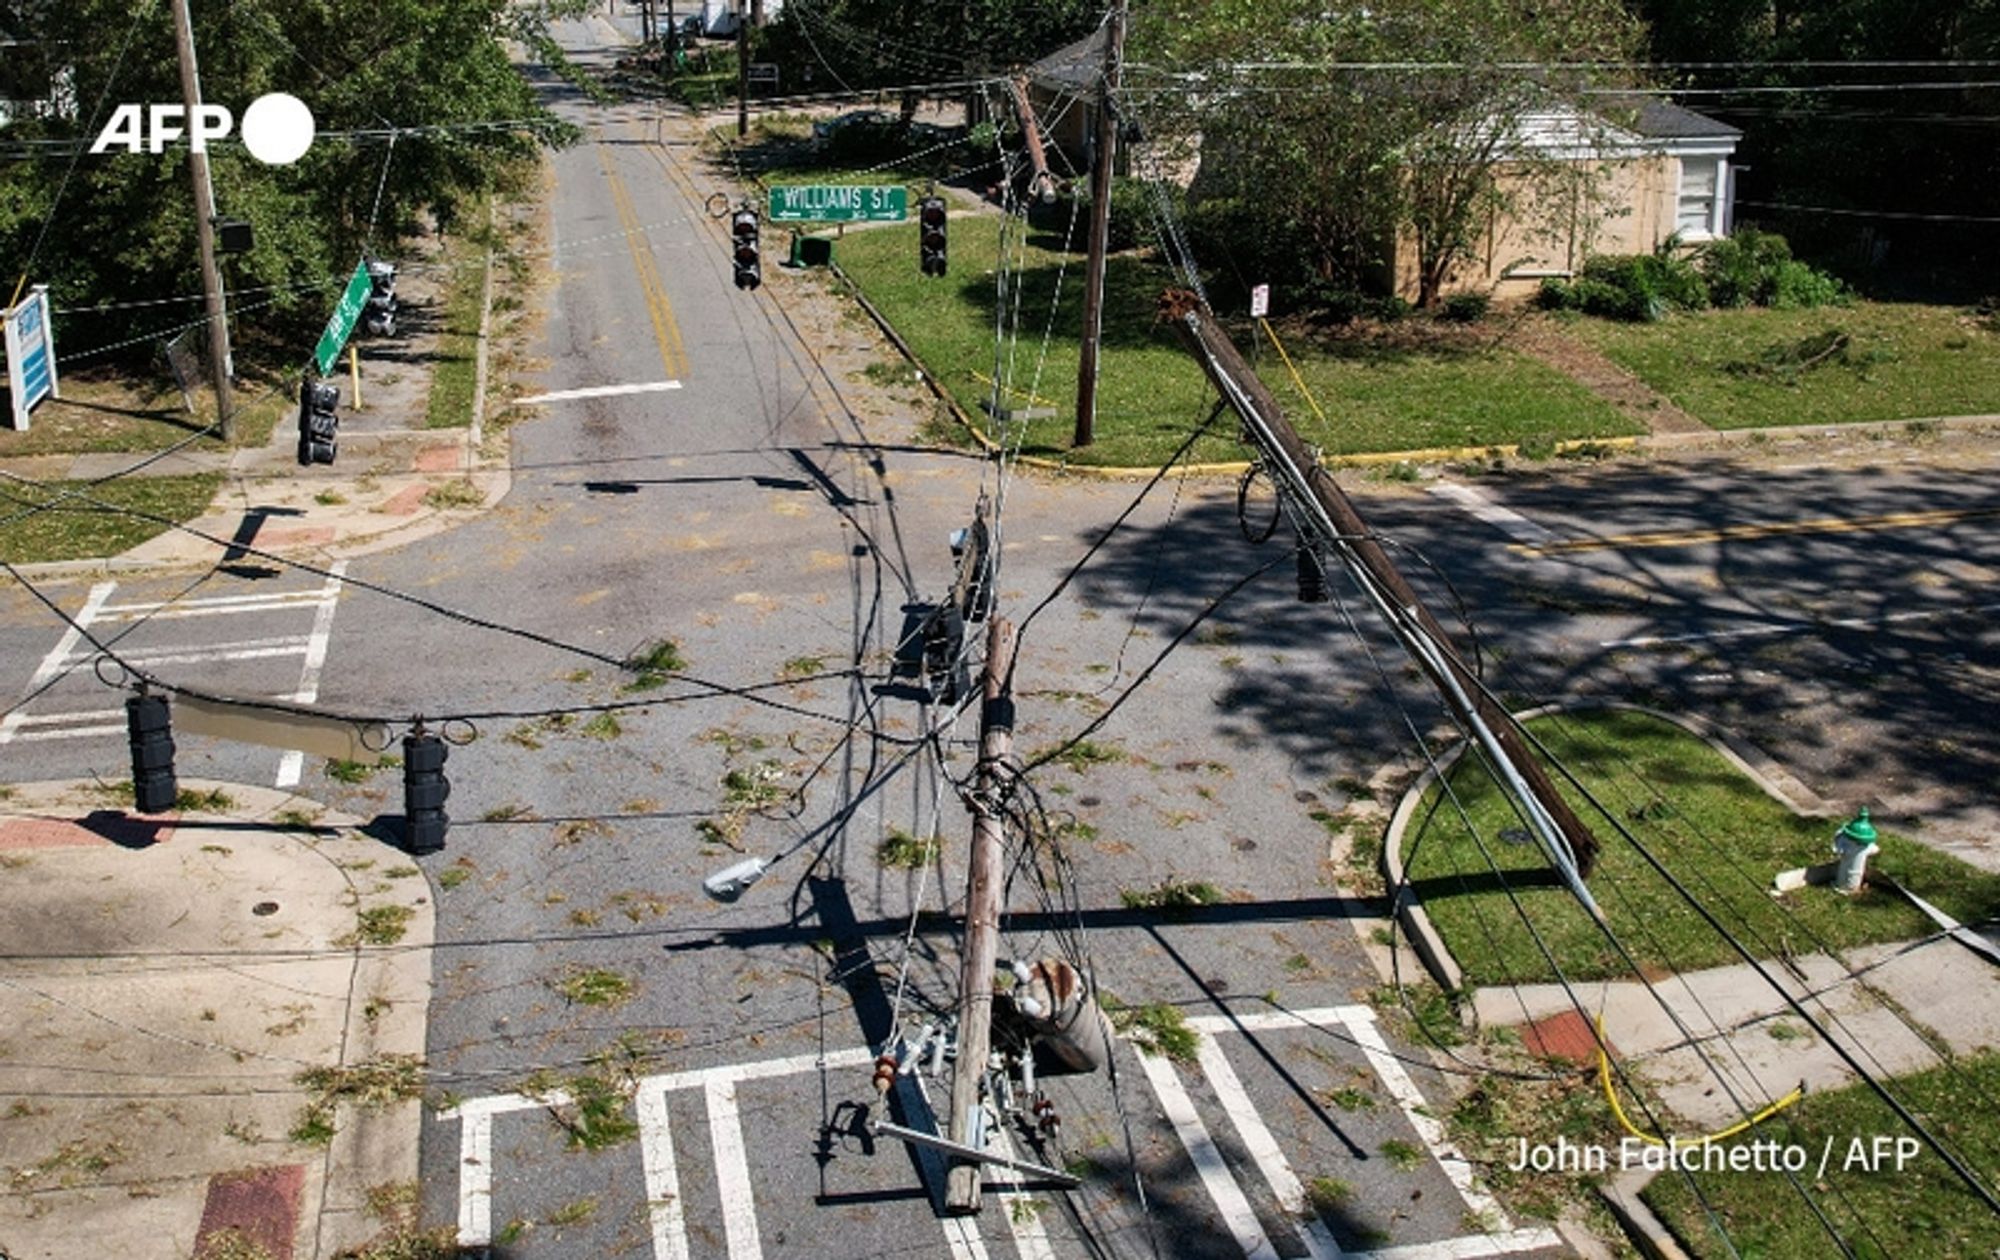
{"x":1853,"y":845}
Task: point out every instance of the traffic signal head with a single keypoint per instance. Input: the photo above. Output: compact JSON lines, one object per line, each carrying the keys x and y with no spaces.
{"x":150,"y":731}
{"x":425,"y":790}
{"x":317,"y":423}
{"x":743,"y":234}
{"x":931,"y":236}
{"x":378,"y":318}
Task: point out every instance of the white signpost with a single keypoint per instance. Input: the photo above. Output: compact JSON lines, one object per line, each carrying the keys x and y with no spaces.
{"x":1260,"y":301}
{"x":31,"y":356}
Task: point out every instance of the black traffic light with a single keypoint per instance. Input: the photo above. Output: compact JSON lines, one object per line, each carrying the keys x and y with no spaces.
{"x":378,"y":318}
{"x":931,"y":238}
{"x":749,"y":267}
{"x":317,"y":423}
{"x":424,"y":792}
{"x":150,"y":729}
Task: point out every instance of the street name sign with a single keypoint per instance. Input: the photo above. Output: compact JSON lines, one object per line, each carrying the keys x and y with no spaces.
{"x":31,"y":355}
{"x":839,"y":203}
{"x":359,"y":286}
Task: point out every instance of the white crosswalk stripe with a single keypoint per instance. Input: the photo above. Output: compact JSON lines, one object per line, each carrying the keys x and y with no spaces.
{"x":1230,"y":1176}
{"x":76,"y":650}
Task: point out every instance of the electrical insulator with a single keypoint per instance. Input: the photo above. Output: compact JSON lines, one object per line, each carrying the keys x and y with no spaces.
{"x":1312,"y":578}
{"x":424,"y":792}
{"x":149,"y":727}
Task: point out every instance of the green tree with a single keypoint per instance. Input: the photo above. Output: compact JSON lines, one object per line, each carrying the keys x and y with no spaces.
{"x":119,"y":227}
{"x":1855,"y":166}
{"x":1349,"y":127}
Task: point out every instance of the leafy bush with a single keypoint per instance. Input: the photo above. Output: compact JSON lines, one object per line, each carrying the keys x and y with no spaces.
{"x":1332,"y":303}
{"x":1132,"y":212}
{"x":1467,"y":308}
{"x":1647,"y":285}
{"x":1740,"y":268}
{"x":1757,"y":268}
{"x":1556,"y":295}
{"x":1798,"y":284}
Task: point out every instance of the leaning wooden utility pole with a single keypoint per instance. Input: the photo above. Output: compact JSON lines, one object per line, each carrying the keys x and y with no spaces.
{"x":204,"y":228}
{"x":1330,"y":524}
{"x":1100,"y":226}
{"x":982,"y":913}
{"x":742,"y":71}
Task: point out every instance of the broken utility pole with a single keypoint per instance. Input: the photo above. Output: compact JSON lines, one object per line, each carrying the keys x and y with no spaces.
{"x":1100,"y":227}
{"x":1043,"y":186}
{"x":1329,"y":525}
{"x":982,"y":914}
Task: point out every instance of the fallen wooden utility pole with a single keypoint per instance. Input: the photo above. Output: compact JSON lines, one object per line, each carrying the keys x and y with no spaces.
{"x":1043,"y":186}
{"x":1329,"y":523}
{"x":982,"y":914}
{"x":1100,"y":228}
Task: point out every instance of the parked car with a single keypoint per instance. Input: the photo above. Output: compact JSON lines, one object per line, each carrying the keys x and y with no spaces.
{"x":863,"y":119}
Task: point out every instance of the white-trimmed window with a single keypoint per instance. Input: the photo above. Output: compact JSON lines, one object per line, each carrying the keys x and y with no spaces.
{"x":1697,"y":214}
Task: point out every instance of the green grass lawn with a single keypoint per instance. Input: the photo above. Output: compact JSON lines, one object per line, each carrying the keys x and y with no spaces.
{"x":455,"y":362}
{"x":1407,"y":387}
{"x":1707,"y":823}
{"x":1900,"y":362}
{"x":78,"y":531}
{"x":113,"y":411}
{"x":1922,"y":1212}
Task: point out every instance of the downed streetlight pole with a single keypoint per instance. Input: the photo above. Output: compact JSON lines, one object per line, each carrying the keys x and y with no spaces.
{"x":1329,"y":525}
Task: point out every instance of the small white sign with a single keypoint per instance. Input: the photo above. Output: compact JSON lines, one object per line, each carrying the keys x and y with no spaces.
{"x":1260,"y":301}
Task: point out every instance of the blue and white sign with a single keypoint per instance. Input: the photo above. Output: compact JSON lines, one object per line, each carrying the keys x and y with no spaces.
{"x":31,"y":355}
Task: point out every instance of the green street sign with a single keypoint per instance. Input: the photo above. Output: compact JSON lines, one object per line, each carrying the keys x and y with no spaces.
{"x":344,"y":316}
{"x":839,"y":203}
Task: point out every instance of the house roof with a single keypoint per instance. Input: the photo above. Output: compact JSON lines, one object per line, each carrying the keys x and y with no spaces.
{"x":1664,"y":120}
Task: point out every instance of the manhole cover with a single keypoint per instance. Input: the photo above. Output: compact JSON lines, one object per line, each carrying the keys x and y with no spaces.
{"x":264,"y":908}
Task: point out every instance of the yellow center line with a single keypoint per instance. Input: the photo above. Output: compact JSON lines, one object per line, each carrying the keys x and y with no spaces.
{"x":666,"y":332}
{"x":1771,"y":529}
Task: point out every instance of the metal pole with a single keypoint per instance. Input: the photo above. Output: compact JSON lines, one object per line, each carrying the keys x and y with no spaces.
{"x":1100,"y":230}
{"x":982,"y":913}
{"x":204,"y":223}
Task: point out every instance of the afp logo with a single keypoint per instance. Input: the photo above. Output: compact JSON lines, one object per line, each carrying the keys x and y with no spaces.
{"x":277,"y":128}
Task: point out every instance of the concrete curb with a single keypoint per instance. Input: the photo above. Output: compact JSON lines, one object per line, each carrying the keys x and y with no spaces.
{"x":1770,"y":777}
{"x":1621,"y":1194}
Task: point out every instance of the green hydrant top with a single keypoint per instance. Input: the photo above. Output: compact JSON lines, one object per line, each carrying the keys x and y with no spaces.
{"x":1861,"y":831}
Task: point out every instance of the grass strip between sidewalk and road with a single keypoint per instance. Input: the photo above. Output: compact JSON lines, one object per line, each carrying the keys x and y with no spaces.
{"x":1757,"y":368}
{"x":1920,"y":1211}
{"x":455,"y":362}
{"x":81,"y":531}
{"x":1409,"y":386}
{"x":1721,"y":836}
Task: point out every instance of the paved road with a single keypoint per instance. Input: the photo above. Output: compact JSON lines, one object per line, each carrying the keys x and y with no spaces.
{"x":700,"y":477}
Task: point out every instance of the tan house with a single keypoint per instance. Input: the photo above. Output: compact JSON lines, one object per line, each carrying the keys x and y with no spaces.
{"x":1659,"y":170}
{"x":1646,"y":169}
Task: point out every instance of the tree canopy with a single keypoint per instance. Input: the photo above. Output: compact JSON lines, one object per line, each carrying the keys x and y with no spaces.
{"x":118,"y":227}
{"x":1323,"y":134}
{"x":1888,"y":182}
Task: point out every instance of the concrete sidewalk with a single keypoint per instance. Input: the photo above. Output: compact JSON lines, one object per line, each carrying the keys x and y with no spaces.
{"x":166,"y":982}
{"x":389,"y":487}
{"x":1720,"y":1043}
